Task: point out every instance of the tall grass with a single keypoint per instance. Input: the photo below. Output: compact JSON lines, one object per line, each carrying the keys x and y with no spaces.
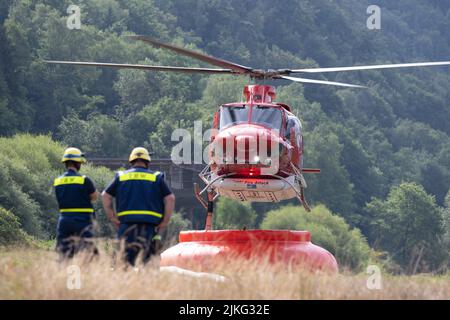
{"x":36,"y":274}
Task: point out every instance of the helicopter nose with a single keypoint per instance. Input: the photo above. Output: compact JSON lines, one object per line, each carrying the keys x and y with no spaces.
{"x":246,"y":144}
{"x":246,"y":148}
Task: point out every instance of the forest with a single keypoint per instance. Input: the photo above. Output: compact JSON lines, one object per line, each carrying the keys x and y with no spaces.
{"x":384,"y":189}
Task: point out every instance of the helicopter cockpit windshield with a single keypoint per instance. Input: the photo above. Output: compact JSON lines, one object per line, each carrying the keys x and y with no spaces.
{"x":262,"y":115}
{"x":233,"y":115}
{"x":267,"y":116}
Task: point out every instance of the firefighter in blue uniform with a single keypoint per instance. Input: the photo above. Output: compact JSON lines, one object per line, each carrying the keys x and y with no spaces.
{"x":75,"y":194}
{"x":144,"y":205}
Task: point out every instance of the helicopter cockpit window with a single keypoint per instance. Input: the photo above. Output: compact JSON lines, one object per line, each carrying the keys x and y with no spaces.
{"x":267,"y":116}
{"x":233,"y":115}
{"x":291,"y":123}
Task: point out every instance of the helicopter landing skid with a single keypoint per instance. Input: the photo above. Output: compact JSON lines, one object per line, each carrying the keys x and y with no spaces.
{"x":303,"y":200}
{"x":299,"y":192}
{"x":297,"y":185}
{"x":207,"y":204}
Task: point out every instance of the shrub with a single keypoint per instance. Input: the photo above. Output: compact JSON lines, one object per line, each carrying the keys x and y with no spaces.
{"x":177,"y":223}
{"x":231,"y":214}
{"x":327,"y":230}
{"x":10,"y":229}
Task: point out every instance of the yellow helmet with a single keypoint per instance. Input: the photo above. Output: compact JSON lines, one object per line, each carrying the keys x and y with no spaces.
{"x":139,"y":153}
{"x":73,"y":154}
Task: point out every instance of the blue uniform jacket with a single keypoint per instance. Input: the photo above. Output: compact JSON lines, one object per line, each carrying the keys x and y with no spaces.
{"x":139,"y":194}
{"x":72,"y":193}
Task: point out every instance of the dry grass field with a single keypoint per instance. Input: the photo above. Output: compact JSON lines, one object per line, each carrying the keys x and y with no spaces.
{"x":36,"y":274}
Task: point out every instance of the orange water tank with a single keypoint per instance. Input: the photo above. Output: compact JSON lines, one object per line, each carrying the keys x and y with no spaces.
{"x":205,"y":250}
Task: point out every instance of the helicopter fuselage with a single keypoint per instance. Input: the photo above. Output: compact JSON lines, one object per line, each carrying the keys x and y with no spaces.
{"x":256,"y":149}
{"x":254,"y":136}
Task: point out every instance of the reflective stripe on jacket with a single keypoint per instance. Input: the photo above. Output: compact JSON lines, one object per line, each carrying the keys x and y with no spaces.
{"x":72,"y":193}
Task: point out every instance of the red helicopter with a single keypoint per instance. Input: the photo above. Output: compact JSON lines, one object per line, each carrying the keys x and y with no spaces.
{"x":256,"y":150}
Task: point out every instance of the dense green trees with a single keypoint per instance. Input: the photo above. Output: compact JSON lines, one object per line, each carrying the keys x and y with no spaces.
{"x":365,"y":141}
{"x":410,"y":226}
{"x":401,"y":123}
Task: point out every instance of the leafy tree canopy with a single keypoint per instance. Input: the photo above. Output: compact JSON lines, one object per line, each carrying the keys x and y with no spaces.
{"x":327,"y":230}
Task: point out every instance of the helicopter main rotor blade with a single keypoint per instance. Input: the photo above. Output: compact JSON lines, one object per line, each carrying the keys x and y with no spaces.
{"x":196,"y":55}
{"x":142,"y":67}
{"x":372,"y":67}
{"x":332,"y":83}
